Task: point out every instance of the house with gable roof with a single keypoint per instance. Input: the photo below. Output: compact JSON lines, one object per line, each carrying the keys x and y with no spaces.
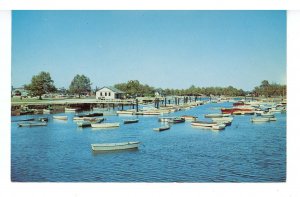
{"x":109,"y":92}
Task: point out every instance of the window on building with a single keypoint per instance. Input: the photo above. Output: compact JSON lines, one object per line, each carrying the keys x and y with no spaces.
{"x":100,"y":93}
{"x":109,"y":94}
{"x":105,"y":94}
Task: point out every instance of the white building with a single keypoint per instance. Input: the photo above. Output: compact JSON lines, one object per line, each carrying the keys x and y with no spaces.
{"x":109,"y":93}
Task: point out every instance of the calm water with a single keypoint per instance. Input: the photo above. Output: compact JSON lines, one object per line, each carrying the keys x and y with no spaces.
{"x":243,"y":152}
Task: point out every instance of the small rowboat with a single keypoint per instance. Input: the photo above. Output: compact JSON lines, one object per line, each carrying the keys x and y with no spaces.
{"x":260,"y":119}
{"x":71,"y":109}
{"x":84,"y":124}
{"x":176,"y":120}
{"x":124,"y":112}
{"x":90,"y":115}
{"x":165,"y":119}
{"x":162,"y":128}
{"x":32,"y":124}
{"x":189,"y":118}
{"x":131,"y":121}
{"x":60,"y":117}
{"x":43,"y":119}
{"x":115,"y":146}
{"x":152,"y":113}
{"x":105,"y":125}
{"x":218,"y":127}
{"x":89,"y":123}
{"x":47,"y":111}
{"x":203,"y":123}
{"x":92,"y":119}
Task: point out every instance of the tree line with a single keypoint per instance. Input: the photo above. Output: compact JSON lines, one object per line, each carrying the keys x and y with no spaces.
{"x":81,"y":84}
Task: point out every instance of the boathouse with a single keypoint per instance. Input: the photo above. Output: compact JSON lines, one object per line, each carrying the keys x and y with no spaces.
{"x":109,"y":93}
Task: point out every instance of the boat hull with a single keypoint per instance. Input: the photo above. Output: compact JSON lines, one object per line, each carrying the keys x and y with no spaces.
{"x":161,"y":128}
{"x":130,"y":121}
{"x":105,"y":125}
{"x":115,"y":146}
{"x":32,"y":124}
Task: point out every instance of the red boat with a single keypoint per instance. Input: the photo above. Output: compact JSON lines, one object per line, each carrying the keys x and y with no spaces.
{"x":239,"y":103}
{"x":231,"y":110}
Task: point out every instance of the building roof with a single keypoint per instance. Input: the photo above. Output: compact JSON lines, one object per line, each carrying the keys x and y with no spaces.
{"x":112,"y":89}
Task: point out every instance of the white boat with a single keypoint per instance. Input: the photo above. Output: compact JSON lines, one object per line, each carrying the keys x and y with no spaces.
{"x":32,"y":124}
{"x":125,"y":112}
{"x":60,"y":117}
{"x":218,"y":127}
{"x":163,"y":128}
{"x":47,"y":111}
{"x":189,"y":118}
{"x":105,"y":125}
{"x":152,"y":113}
{"x":203,"y":123}
{"x":273,"y":119}
{"x":71,"y":109}
{"x":165,"y":119}
{"x":260,"y":119}
{"x":115,"y":146}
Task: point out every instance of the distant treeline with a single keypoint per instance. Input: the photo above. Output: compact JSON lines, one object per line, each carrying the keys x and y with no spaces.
{"x":268,"y":90}
{"x":134,"y":88}
{"x":81,"y":85}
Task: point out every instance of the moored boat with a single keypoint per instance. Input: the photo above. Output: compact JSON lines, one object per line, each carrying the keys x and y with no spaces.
{"x":176,"y":120}
{"x":90,"y":115}
{"x":60,"y":117}
{"x":84,"y":124}
{"x":273,"y":119}
{"x":31,"y":124}
{"x":124,"y":112}
{"x":115,"y":146}
{"x":203,"y":123}
{"x":260,"y":119}
{"x":105,"y":125}
{"x":218,"y":127}
{"x":130,"y":121}
{"x":163,"y":128}
{"x":189,"y":118}
{"x":165,"y":119}
{"x":47,"y":111}
{"x":67,"y":109}
{"x":43,"y":119}
{"x":152,"y":113}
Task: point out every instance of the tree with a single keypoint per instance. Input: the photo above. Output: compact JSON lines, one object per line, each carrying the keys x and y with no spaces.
{"x":80,"y":85}
{"x":40,"y":84}
{"x":134,"y":88}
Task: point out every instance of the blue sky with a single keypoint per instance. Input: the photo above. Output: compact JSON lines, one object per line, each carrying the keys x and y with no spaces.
{"x":167,"y":49}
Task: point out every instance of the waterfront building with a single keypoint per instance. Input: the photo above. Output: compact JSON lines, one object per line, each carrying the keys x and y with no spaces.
{"x":109,"y":93}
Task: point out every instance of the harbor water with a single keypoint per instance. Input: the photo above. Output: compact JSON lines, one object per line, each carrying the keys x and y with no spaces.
{"x":61,"y":151}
